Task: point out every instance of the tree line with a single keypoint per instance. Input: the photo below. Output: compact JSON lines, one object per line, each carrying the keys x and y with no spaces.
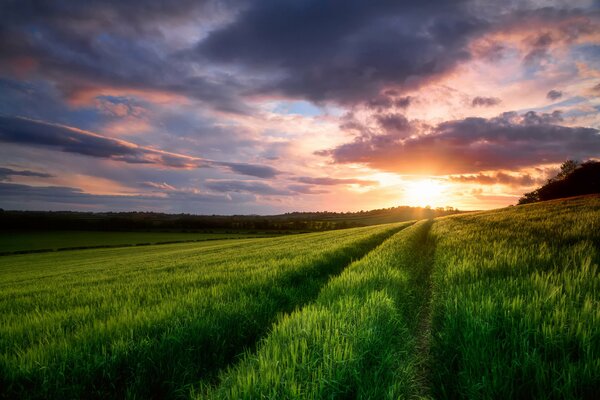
{"x":151,"y":221}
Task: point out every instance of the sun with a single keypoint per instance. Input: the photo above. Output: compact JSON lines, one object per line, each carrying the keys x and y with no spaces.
{"x":424,"y":192}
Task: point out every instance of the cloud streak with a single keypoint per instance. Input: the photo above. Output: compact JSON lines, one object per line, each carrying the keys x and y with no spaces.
{"x":19,"y":196}
{"x":499,"y":178}
{"x":6,"y":173}
{"x":325,"y":181}
{"x":72,"y":140}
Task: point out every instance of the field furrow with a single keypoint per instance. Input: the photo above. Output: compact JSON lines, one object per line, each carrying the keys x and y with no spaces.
{"x":359,"y":339}
{"x":149,"y":322}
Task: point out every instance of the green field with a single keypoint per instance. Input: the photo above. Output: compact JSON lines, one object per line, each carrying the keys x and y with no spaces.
{"x":23,"y":242}
{"x":497,"y":304}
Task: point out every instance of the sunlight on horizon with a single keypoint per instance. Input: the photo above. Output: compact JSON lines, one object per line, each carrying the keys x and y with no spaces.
{"x":425,"y":192}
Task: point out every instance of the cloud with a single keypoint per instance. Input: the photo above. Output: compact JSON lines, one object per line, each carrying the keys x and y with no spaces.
{"x":158,"y":185}
{"x":69,"y":195}
{"x":345,"y":51}
{"x":403,"y":102}
{"x":500,"y":178}
{"x":394,"y":123}
{"x":73,"y":140}
{"x":117,"y":47}
{"x":98,"y":15}
{"x":223,"y":52}
{"x":260,"y":171}
{"x":203,"y":78}
{"x":485,"y":101}
{"x":256,"y":187}
{"x":25,"y":197}
{"x":119,"y":107}
{"x":6,"y":173}
{"x":325,"y":181}
{"x":539,"y":31}
{"x":306,"y":189}
{"x":264,"y":189}
{"x":472,"y":145}
{"x":539,"y":48}
{"x":554,"y":94}
{"x":389,"y":99}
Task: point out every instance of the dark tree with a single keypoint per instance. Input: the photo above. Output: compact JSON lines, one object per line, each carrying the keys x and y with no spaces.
{"x":574,"y":179}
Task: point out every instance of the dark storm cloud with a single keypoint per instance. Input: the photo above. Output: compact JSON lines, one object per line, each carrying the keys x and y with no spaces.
{"x":472,"y":145}
{"x":346,"y":50}
{"x":485,"y":101}
{"x":72,"y":140}
{"x":324,"y":181}
{"x":6,"y":173}
{"x":554,"y":94}
{"x":97,"y":15}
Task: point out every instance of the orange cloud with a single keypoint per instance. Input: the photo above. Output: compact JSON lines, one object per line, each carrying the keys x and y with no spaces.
{"x":87,"y":95}
{"x":127,"y":126}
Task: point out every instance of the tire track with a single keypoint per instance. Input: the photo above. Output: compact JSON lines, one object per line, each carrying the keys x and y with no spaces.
{"x":424,"y":282}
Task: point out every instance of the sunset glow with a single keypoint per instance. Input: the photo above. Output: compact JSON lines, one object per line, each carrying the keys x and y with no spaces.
{"x":425,"y":192}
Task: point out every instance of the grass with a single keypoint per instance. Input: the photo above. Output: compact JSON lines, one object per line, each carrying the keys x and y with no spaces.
{"x":24,"y":242}
{"x":517,"y":308}
{"x":497,"y":304}
{"x":357,"y":340}
{"x":150,"y":322}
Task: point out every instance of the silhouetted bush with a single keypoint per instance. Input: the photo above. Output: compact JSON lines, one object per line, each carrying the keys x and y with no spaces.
{"x":574,"y":179}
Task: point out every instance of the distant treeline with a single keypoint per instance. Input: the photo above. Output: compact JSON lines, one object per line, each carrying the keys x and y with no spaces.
{"x":150,"y":221}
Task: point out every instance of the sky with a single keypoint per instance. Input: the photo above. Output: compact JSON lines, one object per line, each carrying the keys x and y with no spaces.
{"x":271,"y":106}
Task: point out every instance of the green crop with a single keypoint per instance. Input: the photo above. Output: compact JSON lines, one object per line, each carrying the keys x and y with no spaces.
{"x":358,"y":340}
{"x":24,"y":242}
{"x":496,"y":304}
{"x":148,"y":322}
{"x":517,"y":307}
